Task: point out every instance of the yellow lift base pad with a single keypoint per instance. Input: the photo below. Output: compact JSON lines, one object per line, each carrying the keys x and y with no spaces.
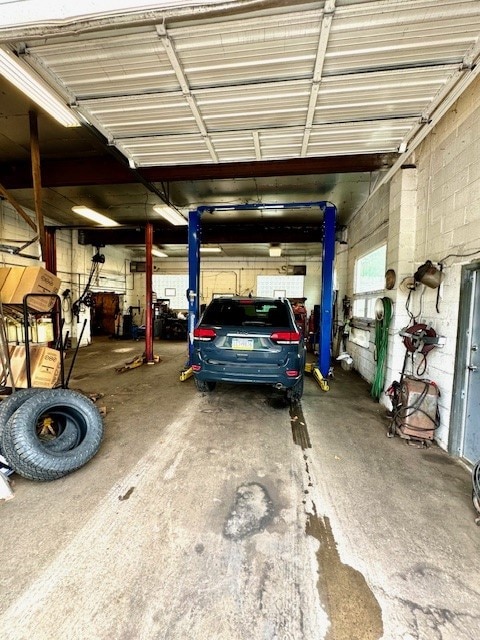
{"x":310,"y":367}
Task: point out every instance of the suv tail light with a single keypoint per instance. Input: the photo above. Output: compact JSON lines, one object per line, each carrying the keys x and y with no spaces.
{"x":285,"y":337}
{"x":204,"y":334}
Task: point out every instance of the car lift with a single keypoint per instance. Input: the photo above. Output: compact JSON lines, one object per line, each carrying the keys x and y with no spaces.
{"x":322,"y":369}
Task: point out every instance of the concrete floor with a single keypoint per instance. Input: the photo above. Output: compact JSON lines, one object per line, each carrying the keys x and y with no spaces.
{"x":227,"y":516}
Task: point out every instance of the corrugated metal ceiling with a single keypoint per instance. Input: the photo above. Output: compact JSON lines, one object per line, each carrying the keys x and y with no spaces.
{"x":351,"y":78}
{"x":307,"y":84}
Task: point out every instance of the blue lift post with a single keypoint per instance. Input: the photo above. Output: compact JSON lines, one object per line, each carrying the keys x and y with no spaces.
{"x":193,"y":275}
{"x":326,"y":307}
{"x":325,"y":328}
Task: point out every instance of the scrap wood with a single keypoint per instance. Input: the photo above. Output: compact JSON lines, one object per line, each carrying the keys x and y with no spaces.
{"x":94,"y":397}
{"x":135,"y":362}
{"x":90,"y":394}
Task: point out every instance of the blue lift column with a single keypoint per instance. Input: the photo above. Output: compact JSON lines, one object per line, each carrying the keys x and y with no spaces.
{"x":326,"y":308}
{"x":193,"y":275}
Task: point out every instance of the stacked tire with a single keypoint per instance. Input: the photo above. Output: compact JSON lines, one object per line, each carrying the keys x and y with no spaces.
{"x":46,"y":434}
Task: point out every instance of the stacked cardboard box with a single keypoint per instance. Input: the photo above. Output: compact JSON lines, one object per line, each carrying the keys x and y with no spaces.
{"x":44,"y":367}
{"x":17,"y":282}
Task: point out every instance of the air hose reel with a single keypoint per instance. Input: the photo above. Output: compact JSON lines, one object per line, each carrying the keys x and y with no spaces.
{"x":421,"y":338}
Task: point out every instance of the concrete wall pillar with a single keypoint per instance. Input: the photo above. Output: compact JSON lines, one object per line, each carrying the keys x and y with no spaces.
{"x":400,"y":257}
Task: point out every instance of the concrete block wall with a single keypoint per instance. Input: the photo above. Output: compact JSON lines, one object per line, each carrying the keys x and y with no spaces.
{"x":225,"y":275}
{"x":13,"y":232}
{"x":73,"y":262}
{"x":366,"y":231}
{"x":430,"y":212}
{"x":448,"y":164}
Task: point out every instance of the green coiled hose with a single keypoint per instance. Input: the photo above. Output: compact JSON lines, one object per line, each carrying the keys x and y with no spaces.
{"x":381,"y":345}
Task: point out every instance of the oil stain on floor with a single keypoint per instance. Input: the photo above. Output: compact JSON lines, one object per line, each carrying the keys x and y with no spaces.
{"x":300,"y":434}
{"x":353,"y":610}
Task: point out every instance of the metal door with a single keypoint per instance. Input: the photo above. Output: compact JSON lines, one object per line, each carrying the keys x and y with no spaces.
{"x":471,"y":431}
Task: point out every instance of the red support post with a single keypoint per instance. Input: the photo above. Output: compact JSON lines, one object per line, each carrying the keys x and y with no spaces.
{"x":148,"y":294}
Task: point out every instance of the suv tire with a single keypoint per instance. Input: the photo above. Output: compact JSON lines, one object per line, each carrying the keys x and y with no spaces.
{"x":205,"y":385}
{"x":296,"y":392}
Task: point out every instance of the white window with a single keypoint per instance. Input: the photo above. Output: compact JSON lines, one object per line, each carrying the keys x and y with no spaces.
{"x":280,"y":286}
{"x":173,"y":288}
{"x":369,"y":282}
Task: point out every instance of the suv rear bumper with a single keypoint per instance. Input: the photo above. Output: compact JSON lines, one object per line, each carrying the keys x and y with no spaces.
{"x":248,"y":374}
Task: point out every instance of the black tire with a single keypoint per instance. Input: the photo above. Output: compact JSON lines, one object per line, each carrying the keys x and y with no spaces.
{"x":61,"y":440}
{"x":28,"y":454}
{"x":205,"y":385}
{"x":12,"y":403}
{"x":294,"y":395}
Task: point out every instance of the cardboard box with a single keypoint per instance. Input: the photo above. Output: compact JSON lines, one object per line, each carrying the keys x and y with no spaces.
{"x":44,"y":367}
{"x":10,"y":280}
{"x":36,"y":280}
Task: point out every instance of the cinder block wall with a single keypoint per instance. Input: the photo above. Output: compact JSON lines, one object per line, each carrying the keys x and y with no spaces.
{"x":226,"y":275}
{"x":427,"y":215}
{"x":73,"y":262}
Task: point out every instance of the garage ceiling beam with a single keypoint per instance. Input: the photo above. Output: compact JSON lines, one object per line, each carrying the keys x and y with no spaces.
{"x":184,"y":84}
{"x":215,"y":233}
{"x":70,"y":172}
{"x":328,"y":13}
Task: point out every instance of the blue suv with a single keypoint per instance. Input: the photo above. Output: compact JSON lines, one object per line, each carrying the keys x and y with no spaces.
{"x":249,"y":340}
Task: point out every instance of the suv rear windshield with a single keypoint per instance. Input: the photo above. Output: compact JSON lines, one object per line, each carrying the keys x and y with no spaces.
{"x":242,"y":313}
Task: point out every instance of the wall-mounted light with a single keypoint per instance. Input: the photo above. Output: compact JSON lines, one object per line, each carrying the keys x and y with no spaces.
{"x":275,"y":251}
{"x":210,"y":250}
{"x":94,"y":216}
{"x":171,"y":215}
{"x":159,"y":254}
{"x":35,"y":88}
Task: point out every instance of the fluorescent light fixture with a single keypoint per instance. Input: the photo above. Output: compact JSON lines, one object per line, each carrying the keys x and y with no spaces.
{"x":90,"y":214}
{"x":32,"y":85}
{"x":210,"y":250}
{"x":275,"y":250}
{"x":171,"y":215}
{"x":159,"y":254}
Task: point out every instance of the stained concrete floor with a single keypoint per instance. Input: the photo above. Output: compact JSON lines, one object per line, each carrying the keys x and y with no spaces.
{"x":227,"y":516}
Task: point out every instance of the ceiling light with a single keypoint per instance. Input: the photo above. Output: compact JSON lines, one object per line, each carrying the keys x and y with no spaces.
{"x":159,"y":254}
{"x":171,"y":215}
{"x":275,"y":250}
{"x":210,"y":250}
{"x":90,"y":214}
{"x":32,"y":85}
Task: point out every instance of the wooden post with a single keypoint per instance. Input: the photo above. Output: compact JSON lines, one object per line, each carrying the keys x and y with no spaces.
{"x":37,"y":179}
{"x":50,"y":256}
{"x":11,"y":200}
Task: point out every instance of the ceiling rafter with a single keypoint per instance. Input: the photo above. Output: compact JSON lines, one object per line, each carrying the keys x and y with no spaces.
{"x":328,"y":13}
{"x":256,"y":143}
{"x":185,"y":86}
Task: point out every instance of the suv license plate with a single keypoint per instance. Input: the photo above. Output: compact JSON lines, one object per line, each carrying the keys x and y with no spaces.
{"x":242,"y":344}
